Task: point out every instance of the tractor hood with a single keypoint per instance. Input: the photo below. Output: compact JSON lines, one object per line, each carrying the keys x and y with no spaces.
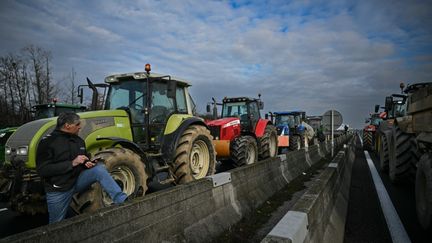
{"x":22,"y":144}
{"x":226,"y":122}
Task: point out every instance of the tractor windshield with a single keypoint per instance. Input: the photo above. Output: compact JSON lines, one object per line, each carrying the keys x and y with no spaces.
{"x":285,"y":120}
{"x":234,"y":109}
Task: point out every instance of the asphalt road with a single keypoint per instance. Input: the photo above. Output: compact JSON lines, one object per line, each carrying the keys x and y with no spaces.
{"x":365,"y":219}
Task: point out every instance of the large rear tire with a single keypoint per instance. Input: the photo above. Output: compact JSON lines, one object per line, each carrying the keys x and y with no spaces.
{"x":126,"y":168}
{"x":268,"y":143}
{"x":384,"y":153}
{"x":244,"y":151}
{"x":403,"y":158}
{"x":195,"y":155}
{"x":295,"y":143}
{"x":367,"y":140}
{"x":423,"y":191}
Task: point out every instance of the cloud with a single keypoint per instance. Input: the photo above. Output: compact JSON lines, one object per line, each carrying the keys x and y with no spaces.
{"x":311,"y":55}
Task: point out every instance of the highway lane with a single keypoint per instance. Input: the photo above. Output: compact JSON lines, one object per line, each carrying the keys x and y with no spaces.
{"x":365,"y":218}
{"x":403,"y":198}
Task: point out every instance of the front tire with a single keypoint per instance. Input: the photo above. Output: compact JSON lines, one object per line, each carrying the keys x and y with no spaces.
{"x":269,"y":143}
{"x":195,"y":155}
{"x":126,"y":168}
{"x":423,"y":191}
{"x":244,"y":151}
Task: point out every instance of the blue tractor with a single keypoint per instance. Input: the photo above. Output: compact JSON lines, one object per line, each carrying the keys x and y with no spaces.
{"x":290,"y":129}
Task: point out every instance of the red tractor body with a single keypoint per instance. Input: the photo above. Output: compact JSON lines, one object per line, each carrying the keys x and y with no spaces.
{"x":241,"y":135}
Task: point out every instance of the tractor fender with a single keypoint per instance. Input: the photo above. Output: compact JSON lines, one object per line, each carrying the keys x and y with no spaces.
{"x":126,"y":144}
{"x":260,"y":127}
{"x":170,"y":141}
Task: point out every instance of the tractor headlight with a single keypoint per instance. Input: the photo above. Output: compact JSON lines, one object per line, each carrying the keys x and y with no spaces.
{"x":22,"y":150}
{"x":8,"y":150}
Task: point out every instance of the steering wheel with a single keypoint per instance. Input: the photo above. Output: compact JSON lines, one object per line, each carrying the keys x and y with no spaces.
{"x":158,"y":118}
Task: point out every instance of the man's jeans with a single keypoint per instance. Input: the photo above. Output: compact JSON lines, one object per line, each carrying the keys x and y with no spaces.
{"x":58,"y":202}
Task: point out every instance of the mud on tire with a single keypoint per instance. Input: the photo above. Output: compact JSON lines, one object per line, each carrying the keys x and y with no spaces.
{"x":126,"y":168}
{"x":195,"y":155}
{"x":268,"y":143}
{"x":244,"y":151}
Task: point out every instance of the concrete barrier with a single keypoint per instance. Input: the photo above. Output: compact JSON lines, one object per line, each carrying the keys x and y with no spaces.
{"x":194,"y":212}
{"x":319,"y":215}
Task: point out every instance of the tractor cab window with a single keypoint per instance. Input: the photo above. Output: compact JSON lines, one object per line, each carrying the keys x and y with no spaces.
{"x":285,"y":120}
{"x":181,"y":100}
{"x":235,"y":109}
{"x":254,"y":111}
{"x":128,"y":94}
{"x":162,"y":106}
{"x":297,"y":120}
{"x":44,"y":112}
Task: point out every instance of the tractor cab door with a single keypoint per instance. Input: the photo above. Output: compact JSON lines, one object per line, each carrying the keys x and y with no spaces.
{"x":254,"y":115}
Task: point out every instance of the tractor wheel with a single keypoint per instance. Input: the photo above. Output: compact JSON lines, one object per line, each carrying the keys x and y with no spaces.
{"x":244,"y":150}
{"x":367,"y":140}
{"x":404,"y":156}
{"x":384,"y":153}
{"x":195,"y":156}
{"x":295,"y":143}
{"x":126,"y":168}
{"x":268,"y":143}
{"x":423,"y":191}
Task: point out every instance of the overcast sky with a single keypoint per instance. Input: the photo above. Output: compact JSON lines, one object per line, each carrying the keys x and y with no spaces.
{"x":309,"y":55}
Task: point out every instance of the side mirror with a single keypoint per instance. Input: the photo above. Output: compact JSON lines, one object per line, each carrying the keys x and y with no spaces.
{"x":208,"y":108}
{"x":172,"y":85}
{"x":388,"y":103}
{"x":260,"y":105}
{"x":377,"y":108}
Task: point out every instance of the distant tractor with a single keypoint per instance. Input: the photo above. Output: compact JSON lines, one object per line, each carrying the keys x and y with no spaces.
{"x":146,"y":136}
{"x":291,"y":129}
{"x":369,"y":130}
{"x":410,"y":148}
{"x":316,"y":123}
{"x":241,"y":136}
{"x":395,"y":106}
{"x":40,"y":111}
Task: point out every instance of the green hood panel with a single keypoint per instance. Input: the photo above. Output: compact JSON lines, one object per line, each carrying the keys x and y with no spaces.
{"x":94,"y":124}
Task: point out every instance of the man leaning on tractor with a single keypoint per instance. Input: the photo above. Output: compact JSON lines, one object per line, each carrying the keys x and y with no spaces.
{"x":63,"y":163}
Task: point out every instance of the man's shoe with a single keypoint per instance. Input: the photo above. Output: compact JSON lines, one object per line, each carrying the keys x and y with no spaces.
{"x":137,"y":193}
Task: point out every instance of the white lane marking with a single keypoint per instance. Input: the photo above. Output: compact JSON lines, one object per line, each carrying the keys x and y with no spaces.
{"x":396,"y":228}
{"x":3,"y":209}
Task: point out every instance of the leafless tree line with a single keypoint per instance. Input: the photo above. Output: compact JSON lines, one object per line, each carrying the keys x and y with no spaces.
{"x":25,"y":80}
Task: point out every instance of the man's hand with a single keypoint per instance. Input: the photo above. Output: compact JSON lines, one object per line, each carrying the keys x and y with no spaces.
{"x":79,"y":160}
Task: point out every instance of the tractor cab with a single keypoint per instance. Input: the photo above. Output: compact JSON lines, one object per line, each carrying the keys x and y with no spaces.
{"x":150,"y":100}
{"x":54,"y":109}
{"x":289,"y":122}
{"x":246,"y":109}
{"x":395,"y":106}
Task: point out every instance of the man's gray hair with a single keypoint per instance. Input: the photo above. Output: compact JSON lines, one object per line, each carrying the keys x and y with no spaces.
{"x":67,"y":117}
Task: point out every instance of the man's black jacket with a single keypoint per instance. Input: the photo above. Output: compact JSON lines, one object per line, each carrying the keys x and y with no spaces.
{"x":54,"y":157}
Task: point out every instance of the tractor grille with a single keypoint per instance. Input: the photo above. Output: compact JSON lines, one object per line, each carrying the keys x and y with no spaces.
{"x":215,"y":131}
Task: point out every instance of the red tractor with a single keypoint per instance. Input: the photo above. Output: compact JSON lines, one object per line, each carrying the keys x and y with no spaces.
{"x":241,"y":136}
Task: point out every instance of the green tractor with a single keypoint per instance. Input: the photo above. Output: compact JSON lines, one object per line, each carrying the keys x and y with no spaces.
{"x":40,"y":111}
{"x":146,"y":135}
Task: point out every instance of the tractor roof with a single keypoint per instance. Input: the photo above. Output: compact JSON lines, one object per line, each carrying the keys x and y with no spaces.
{"x":142,"y":75}
{"x":237,"y":99}
{"x":288,"y":112}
